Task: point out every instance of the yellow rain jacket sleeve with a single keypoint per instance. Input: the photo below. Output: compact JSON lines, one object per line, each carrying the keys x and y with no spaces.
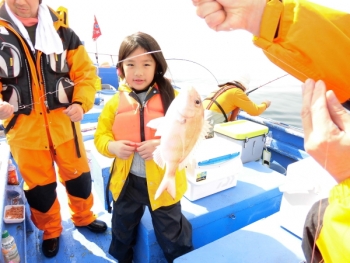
{"x":334,"y":239}
{"x":233,"y":98}
{"x":308,"y":41}
{"x":154,"y":174}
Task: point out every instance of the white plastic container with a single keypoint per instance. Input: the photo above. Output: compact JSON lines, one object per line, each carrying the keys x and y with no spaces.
{"x":250,"y":136}
{"x":9,"y":248}
{"x":11,"y":220}
{"x":214,"y":168}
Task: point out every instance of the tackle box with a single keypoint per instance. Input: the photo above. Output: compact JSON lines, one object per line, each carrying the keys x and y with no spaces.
{"x":214,"y":168}
{"x":250,"y":136}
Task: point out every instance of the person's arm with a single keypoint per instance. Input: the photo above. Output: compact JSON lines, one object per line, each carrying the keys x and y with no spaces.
{"x":327,"y":139}
{"x":242,"y":101}
{"x":82,"y":73}
{"x":293,"y":34}
{"x":104,"y":135}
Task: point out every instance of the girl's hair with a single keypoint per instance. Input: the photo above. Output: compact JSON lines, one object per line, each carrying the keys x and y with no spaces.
{"x":148,"y":43}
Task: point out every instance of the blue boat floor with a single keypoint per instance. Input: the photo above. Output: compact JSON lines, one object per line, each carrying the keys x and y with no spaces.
{"x":264,"y":241}
{"x":76,"y":244}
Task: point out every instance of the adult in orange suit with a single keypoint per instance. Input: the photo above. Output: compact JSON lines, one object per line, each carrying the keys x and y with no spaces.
{"x":47,"y":83}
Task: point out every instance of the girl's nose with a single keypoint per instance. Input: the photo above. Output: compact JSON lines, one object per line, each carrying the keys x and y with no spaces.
{"x":138,"y":72}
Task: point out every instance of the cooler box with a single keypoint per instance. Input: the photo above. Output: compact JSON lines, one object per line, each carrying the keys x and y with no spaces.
{"x":250,"y":136}
{"x":215,"y":167}
{"x":306,"y":182}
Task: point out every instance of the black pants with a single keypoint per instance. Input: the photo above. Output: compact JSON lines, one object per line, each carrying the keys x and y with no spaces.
{"x":313,"y":220}
{"x":173,"y":231}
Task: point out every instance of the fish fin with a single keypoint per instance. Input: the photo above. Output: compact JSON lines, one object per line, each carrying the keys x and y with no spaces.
{"x":168,"y":183}
{"x":157,"y":157}
{"x":157,"y":124}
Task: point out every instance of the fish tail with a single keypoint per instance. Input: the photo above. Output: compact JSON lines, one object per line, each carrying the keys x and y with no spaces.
{"x":168,"y":183}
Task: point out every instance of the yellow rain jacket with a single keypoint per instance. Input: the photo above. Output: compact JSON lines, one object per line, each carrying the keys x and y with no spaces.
{"x":294,"y":35}
{"x":154,"y":174}
{"x":232,"y":99}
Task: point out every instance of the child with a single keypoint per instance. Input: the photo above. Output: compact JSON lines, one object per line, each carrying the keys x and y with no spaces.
{"x":144,"y":94}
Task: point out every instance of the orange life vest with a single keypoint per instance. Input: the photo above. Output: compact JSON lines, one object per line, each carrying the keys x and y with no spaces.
{"x":132,"y":117}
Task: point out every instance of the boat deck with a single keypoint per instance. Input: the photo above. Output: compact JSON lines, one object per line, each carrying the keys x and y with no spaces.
{"x":262,"y":241}
{"x":256,"y":196}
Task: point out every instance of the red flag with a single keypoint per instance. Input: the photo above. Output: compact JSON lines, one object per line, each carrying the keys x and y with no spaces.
{"x":96,"y":32}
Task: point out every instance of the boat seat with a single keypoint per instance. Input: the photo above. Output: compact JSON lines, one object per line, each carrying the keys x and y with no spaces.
{"x":263,"y":241}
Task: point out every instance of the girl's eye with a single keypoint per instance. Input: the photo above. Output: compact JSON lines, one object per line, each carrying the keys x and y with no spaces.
{"x":147,"y":65}
{"x":129,"y":65}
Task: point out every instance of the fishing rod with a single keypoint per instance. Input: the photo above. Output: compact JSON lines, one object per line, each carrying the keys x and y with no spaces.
{"x":266,"y":84}
{"x":187,"y":60}
{"x":191,"y":61}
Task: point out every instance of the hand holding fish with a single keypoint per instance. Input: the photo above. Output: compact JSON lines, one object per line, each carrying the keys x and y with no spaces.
{"x":6,"y":110}
{"x":226,"y":15}
{"x":122,"y":148}
{"x":75,"y":112}
{"x":180,"y":129}
{"x":146,"y":148}
{"x":326,"y":129}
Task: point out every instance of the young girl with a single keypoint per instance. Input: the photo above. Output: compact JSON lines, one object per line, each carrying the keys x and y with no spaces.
{"x":144,"y":94}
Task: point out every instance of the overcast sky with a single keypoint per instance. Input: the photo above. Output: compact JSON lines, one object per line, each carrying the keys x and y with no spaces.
{"x":176,"y":27}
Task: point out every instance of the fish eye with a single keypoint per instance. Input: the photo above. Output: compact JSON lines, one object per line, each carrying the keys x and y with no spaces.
{"x":198,"y":102}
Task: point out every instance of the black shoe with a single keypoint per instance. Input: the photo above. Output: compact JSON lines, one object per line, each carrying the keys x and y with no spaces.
{"x":96,"y":226}
{"x":50,"y":247}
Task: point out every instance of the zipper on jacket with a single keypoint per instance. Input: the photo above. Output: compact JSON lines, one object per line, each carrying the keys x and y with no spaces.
{"x":142,"y":128}
{"x":44,"y":84}
{"x":29,"y":83}
{"x":150,"y":93}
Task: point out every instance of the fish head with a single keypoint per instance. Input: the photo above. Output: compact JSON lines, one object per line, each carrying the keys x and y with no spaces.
{"x":189,"y":103}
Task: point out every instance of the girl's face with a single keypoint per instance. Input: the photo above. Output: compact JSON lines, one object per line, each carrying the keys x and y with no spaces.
{"x":139,"y":71}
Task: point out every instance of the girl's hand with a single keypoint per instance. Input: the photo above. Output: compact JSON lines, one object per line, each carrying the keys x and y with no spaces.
{"x":122,"y":149}
{"x":146,"y":148}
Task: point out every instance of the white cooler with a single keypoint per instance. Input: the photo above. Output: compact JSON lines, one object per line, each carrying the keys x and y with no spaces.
{"x":250,"y":136}
{"x":214,"y":168}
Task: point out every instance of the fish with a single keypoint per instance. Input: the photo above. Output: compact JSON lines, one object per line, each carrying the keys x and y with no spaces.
{"x":180,"y":130}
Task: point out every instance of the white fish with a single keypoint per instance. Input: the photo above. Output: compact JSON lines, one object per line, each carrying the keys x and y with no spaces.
{"x":181,"y":129}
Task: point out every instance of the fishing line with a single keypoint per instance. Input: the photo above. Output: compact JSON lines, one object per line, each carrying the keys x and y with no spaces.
{"x":266,"y":84}
{"x":187,"y":60}
{"x":325,"y":162}
{"x":53,"y":92}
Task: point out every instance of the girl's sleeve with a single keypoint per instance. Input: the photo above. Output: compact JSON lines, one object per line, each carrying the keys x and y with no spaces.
{"x":104,"y":134}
